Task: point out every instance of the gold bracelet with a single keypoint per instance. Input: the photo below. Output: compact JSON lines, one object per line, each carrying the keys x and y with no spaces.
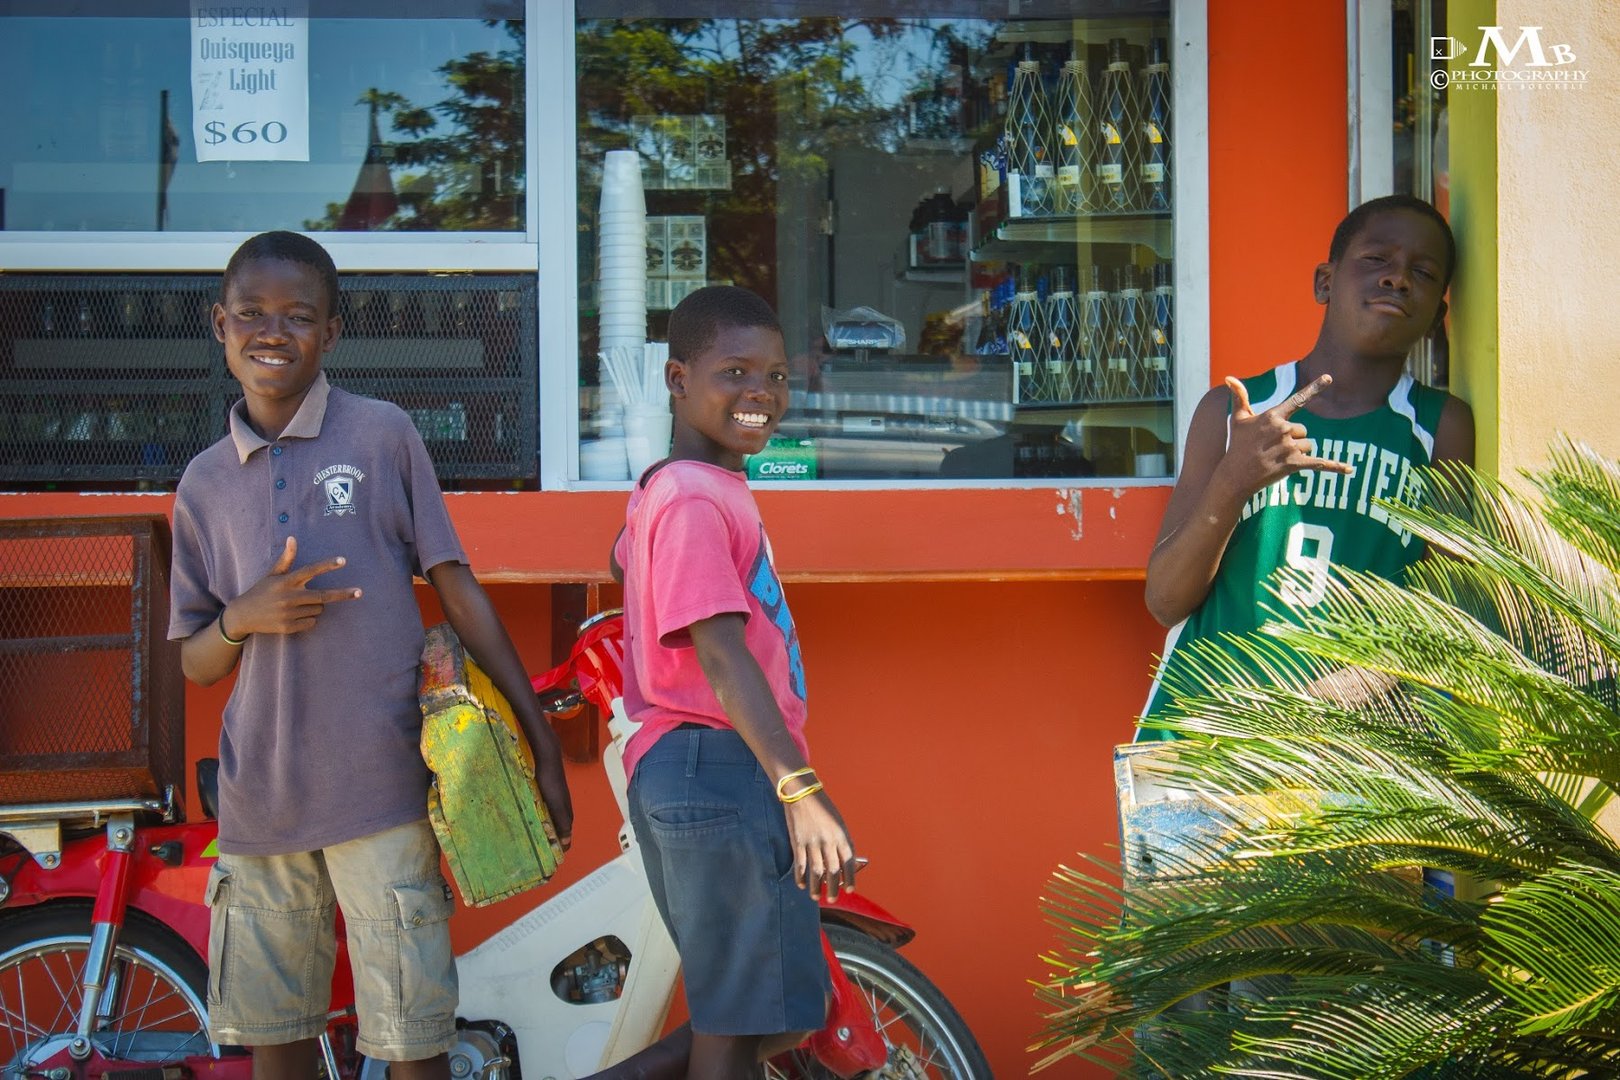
{"x":219,"y":623}
{"x":803,"y":793}
{"x":794,"y":775}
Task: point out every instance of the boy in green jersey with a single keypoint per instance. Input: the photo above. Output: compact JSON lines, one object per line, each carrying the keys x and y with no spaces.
{"x":1285,"y":468}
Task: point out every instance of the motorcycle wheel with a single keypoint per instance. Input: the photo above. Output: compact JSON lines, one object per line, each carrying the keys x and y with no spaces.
{"x":154,"y":1009}
{"x":926,"y":1036}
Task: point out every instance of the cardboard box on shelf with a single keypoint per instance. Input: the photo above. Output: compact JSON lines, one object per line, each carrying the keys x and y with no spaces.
{"x":657,"y":246}
{"x":688,"y":247}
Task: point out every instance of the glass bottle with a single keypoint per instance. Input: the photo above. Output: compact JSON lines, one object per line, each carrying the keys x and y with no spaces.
{"x":1113,"y":122}
{"x":1126,"y":360}
{"x":990,"y":342}
{"x":1074,"y":128}
{"x":1155,"y":151}
{"x":1161,"y":332}
{"x":1025,"y":335}
{"x":1029,"y":162}
{"x":1095,"y":340}
{"x":1062,"y":333}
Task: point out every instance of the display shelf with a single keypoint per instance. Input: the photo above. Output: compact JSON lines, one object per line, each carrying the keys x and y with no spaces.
{"x":934,"y":275}
{"x":1015,"y":238}
{"x":1086,"y":21}
{"x":1083,"y":406}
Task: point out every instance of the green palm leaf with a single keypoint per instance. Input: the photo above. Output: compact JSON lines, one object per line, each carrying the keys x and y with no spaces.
{"x":1468,"y":719}
{"x":1553,"y":945}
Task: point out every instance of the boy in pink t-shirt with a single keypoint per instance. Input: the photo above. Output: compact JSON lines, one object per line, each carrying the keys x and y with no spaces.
{"x":736,"y":832}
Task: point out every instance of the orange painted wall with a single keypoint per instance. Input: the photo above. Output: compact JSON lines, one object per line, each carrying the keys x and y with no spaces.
{"x":972,"y":655}
{"x":1278,"y":148}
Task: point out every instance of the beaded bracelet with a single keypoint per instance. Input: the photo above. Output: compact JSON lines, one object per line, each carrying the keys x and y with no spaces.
{"x":219,"y":624}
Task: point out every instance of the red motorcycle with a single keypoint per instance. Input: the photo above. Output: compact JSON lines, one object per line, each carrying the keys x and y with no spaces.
{"x":104,"y":935}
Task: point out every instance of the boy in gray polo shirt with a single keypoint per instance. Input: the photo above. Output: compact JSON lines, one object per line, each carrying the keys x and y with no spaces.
{"x":296,"y":539}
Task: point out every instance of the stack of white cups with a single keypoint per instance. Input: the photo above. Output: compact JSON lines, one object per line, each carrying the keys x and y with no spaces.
{"x":622,"y":258}
{"x":622,"y":303}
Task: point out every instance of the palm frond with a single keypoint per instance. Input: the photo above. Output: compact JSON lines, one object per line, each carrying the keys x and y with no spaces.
{"x":1467,"y":721}
{"x":1553,"y":945}
{"x":1581,"y":489}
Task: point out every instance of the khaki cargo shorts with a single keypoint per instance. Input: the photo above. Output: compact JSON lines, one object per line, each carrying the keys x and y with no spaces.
{"x":272,"y":946}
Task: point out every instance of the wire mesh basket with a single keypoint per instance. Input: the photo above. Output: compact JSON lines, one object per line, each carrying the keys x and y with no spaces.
{"x":91,"y":694}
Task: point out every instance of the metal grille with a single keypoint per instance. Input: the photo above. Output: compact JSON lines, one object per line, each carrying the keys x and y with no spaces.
{"x":115,"y":380}
{"x":91,"y":696}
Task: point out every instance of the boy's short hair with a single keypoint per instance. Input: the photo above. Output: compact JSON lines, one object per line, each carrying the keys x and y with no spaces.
{"x":1357,"y":219}
{"x":287,"y":247}
{"x":699,"y":318}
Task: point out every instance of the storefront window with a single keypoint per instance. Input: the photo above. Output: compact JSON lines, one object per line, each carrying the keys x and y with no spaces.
{"x":964,"y":221}
{"x":1421,"y":142}
{"x":413,"y":123}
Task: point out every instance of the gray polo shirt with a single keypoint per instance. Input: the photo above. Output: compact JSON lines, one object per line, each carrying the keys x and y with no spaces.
{"x":320,"y":741}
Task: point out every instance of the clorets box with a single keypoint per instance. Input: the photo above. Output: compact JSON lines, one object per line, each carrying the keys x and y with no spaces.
{"x":486,"y":810}
{"x":784,"y":459}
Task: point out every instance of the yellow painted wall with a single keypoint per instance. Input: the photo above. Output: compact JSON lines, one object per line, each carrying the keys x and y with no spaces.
{"x":1558,"y":236}
{"x":1473,"y":215}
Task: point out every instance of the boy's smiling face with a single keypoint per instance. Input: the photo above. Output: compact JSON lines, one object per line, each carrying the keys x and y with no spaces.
{"x":1386,"y":291}
{"x":276,"y":324}
{"x":730,"y":397}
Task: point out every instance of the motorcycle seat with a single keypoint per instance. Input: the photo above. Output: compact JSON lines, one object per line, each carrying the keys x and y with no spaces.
{"x":208,"y":786}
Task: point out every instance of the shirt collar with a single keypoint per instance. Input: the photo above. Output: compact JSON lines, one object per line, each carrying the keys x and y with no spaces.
{"x":305,"y":424}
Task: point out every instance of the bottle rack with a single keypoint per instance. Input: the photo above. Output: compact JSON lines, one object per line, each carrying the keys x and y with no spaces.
{"x":116,"y":380}
{"x":1074,"y":89}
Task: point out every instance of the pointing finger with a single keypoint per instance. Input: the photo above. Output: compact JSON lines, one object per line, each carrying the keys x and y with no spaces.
{"x":333,"y":596}
{"x":289,"y":551}
{"x":1325,"y":465}
{"x":1297,"y":401}
{"x":1240,"y":397}
{"x":315,"y":569}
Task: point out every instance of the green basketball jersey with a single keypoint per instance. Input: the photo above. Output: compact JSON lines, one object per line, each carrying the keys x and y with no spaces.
{"x":1312,"y":519}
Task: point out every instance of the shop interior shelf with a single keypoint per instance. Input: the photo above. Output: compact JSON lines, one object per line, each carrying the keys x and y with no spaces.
{"x":1015,"y":238}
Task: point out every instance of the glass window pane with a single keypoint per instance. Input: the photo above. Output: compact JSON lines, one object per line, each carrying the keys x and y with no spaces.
{"x":963,"y":220}
{"x":414,"y":125}
{"x":1422,"y":137}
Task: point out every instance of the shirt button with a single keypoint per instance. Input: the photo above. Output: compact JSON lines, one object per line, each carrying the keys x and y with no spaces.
{"x":282,"y":519}
{"x":280,"y":484}
{"x":276,"y":450}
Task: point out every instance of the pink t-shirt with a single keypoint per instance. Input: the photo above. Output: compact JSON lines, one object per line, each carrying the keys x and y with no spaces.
{"x":694,"y":547}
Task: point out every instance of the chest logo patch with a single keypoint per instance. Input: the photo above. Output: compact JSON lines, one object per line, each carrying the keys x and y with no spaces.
{"x":341,"y":483}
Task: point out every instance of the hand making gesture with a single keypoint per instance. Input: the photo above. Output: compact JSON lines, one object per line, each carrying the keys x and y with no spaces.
{"x":1231,"y":453}
{"x":282,"y":602}
{"x":1265,"y":447}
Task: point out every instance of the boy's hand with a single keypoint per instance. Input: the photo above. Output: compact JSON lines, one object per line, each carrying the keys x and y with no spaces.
{"x":282,"y":602}
{"x":1265,"y":447}
{"x":549,"y":775}
{"x":823,"y":855}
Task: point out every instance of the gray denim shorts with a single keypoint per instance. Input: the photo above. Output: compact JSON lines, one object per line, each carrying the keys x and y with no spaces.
{"x":715,"y":843}
{"x":272,"y":945}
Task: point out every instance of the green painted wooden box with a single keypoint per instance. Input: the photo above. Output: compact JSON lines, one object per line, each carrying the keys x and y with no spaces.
{"x":495,"y":829}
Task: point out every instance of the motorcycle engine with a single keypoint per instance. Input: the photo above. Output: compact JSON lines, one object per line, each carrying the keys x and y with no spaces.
{"x":484,"y":1050}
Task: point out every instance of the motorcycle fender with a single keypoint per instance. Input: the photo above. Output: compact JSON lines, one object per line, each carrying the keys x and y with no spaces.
{"x":849,"y":1044}
{"x":167,"y":876}
{"x":855,"y":911}
{"x":168,"y":880}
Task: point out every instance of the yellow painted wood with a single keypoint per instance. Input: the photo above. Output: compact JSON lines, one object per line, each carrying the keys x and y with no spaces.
{"x":486,"y":810}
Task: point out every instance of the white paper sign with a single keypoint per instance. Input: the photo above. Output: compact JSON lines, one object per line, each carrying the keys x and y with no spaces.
{"x":250,"y":81}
